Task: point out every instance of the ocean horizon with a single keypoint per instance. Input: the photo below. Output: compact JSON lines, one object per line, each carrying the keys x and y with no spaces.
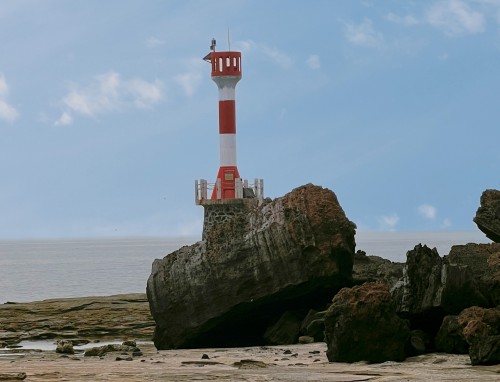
{"x":39,"y":269}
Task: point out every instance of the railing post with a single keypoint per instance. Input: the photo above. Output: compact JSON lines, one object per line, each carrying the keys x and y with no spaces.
{"x":218,"y":186}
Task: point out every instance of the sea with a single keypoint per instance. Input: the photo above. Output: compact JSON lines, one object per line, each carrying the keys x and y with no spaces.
{"x":34,"y":270}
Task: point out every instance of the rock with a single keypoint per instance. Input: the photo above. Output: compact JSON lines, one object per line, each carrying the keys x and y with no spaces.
{"x":481,"y":329}
{"x":418,"y":343}
{"x":362,"y":325}
{"x":103,"y":350}
{"x":306,"y":340}
{"x":82,"y":318}
{"x":483,"y":260}
{"x":255,"y":263}
{"x":65,"y":347}
{"x":314,"y":325}
{"x":12,"y":376}
{"x":119,"y":358}
{"x":285,"y":331}
{"x":374,"y":268}
{"x":433,"y":287}
{"x":129,"y":343}
{"x":449,"y":338}
{"x":486,"y":351}
{"x":488,"y":214}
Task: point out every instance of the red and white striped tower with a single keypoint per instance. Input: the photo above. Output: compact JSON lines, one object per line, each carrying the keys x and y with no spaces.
{"x":226,"y":72}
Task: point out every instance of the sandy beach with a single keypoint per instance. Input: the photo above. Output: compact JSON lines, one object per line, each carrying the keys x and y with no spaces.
{"x":115,"y":318}
{"x":276,"y":363}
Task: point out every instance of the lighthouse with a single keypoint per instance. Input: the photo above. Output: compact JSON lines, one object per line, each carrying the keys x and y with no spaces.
{"x":226,"y":73}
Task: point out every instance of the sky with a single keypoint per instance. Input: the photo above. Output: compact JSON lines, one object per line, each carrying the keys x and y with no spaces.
{"x":108,"y":113}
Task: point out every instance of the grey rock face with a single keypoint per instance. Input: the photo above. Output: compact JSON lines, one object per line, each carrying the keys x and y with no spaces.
{"x":488,"y":214}
{"x":288,"y":254}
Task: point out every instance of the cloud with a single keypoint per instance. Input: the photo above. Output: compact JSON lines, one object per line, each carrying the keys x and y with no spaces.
{"x":64,"y":120}
{"x":455,"y":18}
{"x":427,"y":211}
{"x":364,"y":34}
{"x":191,"y":79}
{"x":278,"y":57}
{"x":388,"y":222}
{"x":313,"y":62}
{"x":7,"y":111}
{"x":108,"y":93}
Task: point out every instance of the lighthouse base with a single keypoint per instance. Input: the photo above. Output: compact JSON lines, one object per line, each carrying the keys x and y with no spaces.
{"x":218,"y":212}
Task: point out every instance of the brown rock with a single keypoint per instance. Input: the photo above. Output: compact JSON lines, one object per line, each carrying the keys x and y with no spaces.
{"x":481,"y":329}
{"x":488,"y":214}
{"x":362,"y":325}
{"x":255,"y":263}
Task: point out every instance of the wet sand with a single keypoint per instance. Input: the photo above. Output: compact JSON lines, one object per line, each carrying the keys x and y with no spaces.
{"x":252,"y":364}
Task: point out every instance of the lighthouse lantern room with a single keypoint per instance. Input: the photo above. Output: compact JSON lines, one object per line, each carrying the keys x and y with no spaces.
{"x":226,"y":72}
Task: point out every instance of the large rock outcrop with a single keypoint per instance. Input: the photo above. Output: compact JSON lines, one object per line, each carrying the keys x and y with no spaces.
{"x":432,"y":285}
{"x":488,"y":214}
{"x":289,"y":254}
{"x":362,"y":325}
{"x":483,"y":261}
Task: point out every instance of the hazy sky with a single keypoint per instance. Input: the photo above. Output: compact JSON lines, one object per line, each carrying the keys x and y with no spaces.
{"x":108,"y":113}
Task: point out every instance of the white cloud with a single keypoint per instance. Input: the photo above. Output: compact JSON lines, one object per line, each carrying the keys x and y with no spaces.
{"x":388,"y":222}
{"x":192,"y":77}
{"x":427,"y":211}
{"x":364,"y":34}
{"x":278,"y":57}
{"x":7,"y":111}
{"x":64,"y":120}
{"x":313,"y":62}
{"x":446,"y":223}
{"x":455,"y":18}
{"x":110,"y":93}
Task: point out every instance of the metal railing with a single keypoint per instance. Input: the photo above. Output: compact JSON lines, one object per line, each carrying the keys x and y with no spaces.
{"x":243,"y":189}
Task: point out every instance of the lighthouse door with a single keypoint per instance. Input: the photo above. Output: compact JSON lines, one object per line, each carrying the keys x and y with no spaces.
{"x":228,"y":184}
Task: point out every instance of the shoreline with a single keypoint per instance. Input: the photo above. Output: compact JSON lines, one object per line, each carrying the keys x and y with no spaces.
{"x":120,"y":317}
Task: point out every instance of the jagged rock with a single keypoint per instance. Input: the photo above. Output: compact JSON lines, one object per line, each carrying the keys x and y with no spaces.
{"x":362,"y":325}
{"x":374,"y":268}
{"x":481,"y":329}
{"x":285,"y":331}
{"x":449,"y":338}
{"x":483,"y":261}
{"x":65,"y":347}
{"x":488,"y":214}
{"x":252,"y":266}
{"x":430,"y":283}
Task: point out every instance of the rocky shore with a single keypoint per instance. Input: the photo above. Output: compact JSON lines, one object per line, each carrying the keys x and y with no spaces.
{"x":275,"y":291}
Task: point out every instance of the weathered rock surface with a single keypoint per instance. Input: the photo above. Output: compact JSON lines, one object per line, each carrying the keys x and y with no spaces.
{"x":375,"y":268}
{"x":488,"y":214}
{"x":362,"y":325}
{"x":450,"y":338}
{"x":433,"y":287}
{"x":481,"y":330}
{"x":483,"y":261}
{"x":90,"y":318}
{"x":290,"y":253}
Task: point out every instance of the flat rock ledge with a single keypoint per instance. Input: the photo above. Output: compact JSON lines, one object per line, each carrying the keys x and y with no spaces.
{"x":81,"y":318}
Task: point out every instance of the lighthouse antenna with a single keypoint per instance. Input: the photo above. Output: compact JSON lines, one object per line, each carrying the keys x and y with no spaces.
{"x":228,"y":40}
